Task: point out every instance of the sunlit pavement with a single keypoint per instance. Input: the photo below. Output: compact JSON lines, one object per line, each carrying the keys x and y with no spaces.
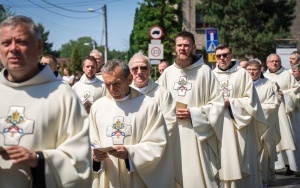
{"x":285,"y":181}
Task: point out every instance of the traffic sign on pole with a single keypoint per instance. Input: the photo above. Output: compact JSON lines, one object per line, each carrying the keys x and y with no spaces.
{"x":155,"y":51}
{"x":211,"y":39}
{"x":156,"y":32}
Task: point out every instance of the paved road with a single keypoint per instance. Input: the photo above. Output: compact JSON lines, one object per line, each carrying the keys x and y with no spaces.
{"x":284,"y":181}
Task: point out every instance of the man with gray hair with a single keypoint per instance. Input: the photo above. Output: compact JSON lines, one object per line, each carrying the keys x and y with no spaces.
{"x":267,"y":94}
{"x":289,"y":147}
{"x":294,"y":59}
{"x":129,"y":136}
{"x":140,"y":69}
{"x":99,"y":58}
{"x":43,"y":122}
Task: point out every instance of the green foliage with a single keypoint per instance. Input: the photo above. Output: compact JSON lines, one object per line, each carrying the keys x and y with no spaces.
{"x":46,"y":45}
{"x":4,"y":13}
{"x":117,"y":55}
{"x":84,"y":45}
{"x":166,"y":14}
{"x":76,"y":60}
{"x":249,"y":27}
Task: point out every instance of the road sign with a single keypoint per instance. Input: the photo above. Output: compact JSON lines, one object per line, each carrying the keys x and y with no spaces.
{"x":211,"y":39}
{"x":211,"y":46}
{"x":156,"y":32}
{"x":155,"y":51}
{"x":212,"y":57}
{"x":211,"y":34}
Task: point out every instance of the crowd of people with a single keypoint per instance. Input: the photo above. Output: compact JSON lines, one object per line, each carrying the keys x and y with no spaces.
{"x":229,"y":127}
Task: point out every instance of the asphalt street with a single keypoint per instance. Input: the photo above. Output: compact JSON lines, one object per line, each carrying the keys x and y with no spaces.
{"x":284,"y":181}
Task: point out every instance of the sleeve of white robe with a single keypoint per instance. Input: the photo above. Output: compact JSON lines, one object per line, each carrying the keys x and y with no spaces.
{"x":67,"y":165}
{"x":208,"y":118}
{"x":151,"y":154}
{"x":291,"y":96}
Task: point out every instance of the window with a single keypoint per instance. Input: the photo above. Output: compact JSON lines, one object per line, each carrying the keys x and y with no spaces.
{"x":199,"y":20}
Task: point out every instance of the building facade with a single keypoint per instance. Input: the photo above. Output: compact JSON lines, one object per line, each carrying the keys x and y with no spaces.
{"x":193,"y":22}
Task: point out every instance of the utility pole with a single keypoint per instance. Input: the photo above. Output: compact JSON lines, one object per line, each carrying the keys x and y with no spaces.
{"x":105,"y":33}
{"x":105,"y":30}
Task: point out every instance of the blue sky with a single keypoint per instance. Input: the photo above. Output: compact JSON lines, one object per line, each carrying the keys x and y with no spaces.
{"x":70,"y":19}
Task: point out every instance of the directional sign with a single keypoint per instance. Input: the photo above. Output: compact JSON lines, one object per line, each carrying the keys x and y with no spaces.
{"x":211,"y":39}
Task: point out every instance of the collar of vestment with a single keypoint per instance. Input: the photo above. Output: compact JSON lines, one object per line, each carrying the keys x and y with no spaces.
{"x":233,"y":68}
{"x":44,"y":76}
{"x":197,"y":61}
{"x":232,"y":65}
{"x":151,"y":85}
{"x":133,"y":94}
{"x":260,"y":82}
{"x":141,"y":89}
{"x":280,"y":70}
{"x":93,"y":80}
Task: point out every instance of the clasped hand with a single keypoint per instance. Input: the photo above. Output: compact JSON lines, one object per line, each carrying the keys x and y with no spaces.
{"x":183,"y":113}
{"x":20,"y":155}
{"x":119,"y":152}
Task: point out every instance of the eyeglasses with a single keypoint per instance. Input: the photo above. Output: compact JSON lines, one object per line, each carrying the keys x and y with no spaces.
{"x":224,"y":55}
{"x":142,"y":68}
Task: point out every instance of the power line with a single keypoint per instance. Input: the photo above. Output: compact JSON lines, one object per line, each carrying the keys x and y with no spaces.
{"x":59,"y":13}
{"x":52,"y":23}
{"x":66,"y":8}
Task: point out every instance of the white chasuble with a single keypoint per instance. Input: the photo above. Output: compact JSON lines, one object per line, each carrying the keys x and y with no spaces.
{"x":200,"y":137}
{"x":288,"y":123}
{"x":44,"y":114}
{"x":244,"y":124}
{"x":89,"y":92}
{"x":167,"y":105}
{"x":138,"y":124}
{"x":267,"y":93}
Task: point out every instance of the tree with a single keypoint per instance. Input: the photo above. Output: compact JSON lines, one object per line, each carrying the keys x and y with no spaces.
{"x":84,"y":45}
{"x":76,"y":60}
{"x":117,"y":55}
{"x":4,"y":13}
{"x":249,"y":27}
{"x":46,"y":45}
{"x":166,"y":14}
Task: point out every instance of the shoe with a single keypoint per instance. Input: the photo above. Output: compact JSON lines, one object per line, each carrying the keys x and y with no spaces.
{"x":289,"y":172}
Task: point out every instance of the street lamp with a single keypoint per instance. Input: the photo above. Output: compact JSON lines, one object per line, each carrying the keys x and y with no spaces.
{"x":105,"y":31}
{"x":93,"y":43}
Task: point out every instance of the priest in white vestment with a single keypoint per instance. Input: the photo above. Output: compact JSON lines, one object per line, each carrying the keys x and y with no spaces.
{"x":296,"y":116}
{"x":89,"y":88}
{"x":199,"y":112}
{"x":51,"y":61}
{"x":289,"y":90}
{"x":140,"y":69}
{"x":267,"y":93}
{"x":294,"y":60}
{"x":129,"y":136}
{"x":99,"y":58}
{"x":44,"y":138}
{"x":244,"y":124}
